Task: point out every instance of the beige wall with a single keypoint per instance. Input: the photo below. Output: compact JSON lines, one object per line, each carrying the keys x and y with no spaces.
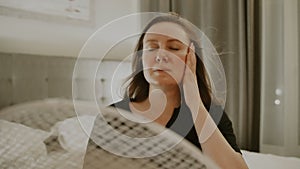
{"x":31,"y":35}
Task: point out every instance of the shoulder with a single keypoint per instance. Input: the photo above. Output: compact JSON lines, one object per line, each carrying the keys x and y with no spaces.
{"x":225,"y":127}
{"x":123,"y":104}
{"x":219,"y":116}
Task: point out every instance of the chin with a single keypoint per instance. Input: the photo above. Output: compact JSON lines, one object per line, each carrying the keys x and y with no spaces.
{"x":163,"y":82}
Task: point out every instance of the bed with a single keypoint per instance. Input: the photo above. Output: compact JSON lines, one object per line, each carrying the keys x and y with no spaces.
{"x":47,"y":134}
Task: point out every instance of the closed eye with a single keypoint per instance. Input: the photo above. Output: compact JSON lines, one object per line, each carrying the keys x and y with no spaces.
{"x":151,"y":49}
{"x":173,"y":48}
{"x":175,"y":45}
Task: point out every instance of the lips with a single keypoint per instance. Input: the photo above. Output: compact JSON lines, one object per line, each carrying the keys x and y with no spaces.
{"x":160,"y":69}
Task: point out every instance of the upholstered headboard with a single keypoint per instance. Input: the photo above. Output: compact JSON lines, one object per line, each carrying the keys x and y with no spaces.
{"x":25,"y":77}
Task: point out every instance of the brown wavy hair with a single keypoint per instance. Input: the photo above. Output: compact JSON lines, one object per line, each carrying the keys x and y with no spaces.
{"x":138,"y":87}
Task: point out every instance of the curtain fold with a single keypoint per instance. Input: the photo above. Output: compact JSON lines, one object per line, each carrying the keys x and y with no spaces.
{"x":233,"y":27}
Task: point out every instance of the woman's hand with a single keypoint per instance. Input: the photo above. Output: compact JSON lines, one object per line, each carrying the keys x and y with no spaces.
{"x":190,"y":85}
{"x":213,"y":143}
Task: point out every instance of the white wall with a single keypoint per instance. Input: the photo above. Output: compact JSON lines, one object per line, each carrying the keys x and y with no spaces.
{"x":280,"y":124}
{"x":35,"y":36}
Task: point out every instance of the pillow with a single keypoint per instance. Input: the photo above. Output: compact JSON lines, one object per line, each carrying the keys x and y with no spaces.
{"x":73,"y":133}
{"x":21,"y":146}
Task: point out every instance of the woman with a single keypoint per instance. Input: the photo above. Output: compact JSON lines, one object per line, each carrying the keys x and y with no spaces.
{"x":170,"y":81}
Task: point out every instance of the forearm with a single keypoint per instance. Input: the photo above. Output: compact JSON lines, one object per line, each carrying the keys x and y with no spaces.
{"x":218,"y":149}
{"x":213,"y":142}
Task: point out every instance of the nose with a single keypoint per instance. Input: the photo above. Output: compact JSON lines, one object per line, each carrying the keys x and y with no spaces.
{"x":161,"y":56}
{"x":162,"y":53}
{"x":160,"y":59}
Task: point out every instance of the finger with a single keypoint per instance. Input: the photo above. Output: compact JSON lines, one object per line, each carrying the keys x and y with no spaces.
{"x":192,"y":47}
{"x":188,"y":57}
{"x":191,"y":58}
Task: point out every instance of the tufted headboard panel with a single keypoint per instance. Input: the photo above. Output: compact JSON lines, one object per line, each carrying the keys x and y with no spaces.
{"x":31,"y":77}
{"x":25,"y":77}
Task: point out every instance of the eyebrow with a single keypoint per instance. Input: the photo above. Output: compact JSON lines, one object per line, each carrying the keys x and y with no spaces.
{"x":169,"y":40}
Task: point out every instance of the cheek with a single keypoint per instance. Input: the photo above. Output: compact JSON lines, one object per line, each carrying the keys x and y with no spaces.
{"x":148,"y":61}
{"x":178,"y":69}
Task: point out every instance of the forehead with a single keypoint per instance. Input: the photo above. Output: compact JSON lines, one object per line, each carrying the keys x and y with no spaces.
{"x":167,"y":30}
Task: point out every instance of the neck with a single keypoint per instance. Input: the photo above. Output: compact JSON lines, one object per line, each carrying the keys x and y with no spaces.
{"x":170,"y":93}
{"x":160,"y":104}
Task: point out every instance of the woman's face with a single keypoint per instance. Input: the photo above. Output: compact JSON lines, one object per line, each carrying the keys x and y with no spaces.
{"x":165,"y":46}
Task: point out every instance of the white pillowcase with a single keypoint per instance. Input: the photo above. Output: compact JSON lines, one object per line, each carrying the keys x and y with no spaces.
{"x":73,"y":133}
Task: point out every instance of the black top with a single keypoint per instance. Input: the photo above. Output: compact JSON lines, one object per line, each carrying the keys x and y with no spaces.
{"x":182,"y":123}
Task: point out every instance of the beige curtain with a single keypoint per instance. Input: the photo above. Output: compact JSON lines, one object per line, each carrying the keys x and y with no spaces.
{"x":233,"y":27}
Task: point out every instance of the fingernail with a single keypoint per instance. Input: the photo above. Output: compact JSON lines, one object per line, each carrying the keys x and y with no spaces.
{"x":192,"y":46}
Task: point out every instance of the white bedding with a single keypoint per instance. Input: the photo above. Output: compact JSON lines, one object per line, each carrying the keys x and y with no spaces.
{"x":28,"y":132}
{"x":24,"y":135}
{"x":266,"y":161}
{"x":16,"y":145}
